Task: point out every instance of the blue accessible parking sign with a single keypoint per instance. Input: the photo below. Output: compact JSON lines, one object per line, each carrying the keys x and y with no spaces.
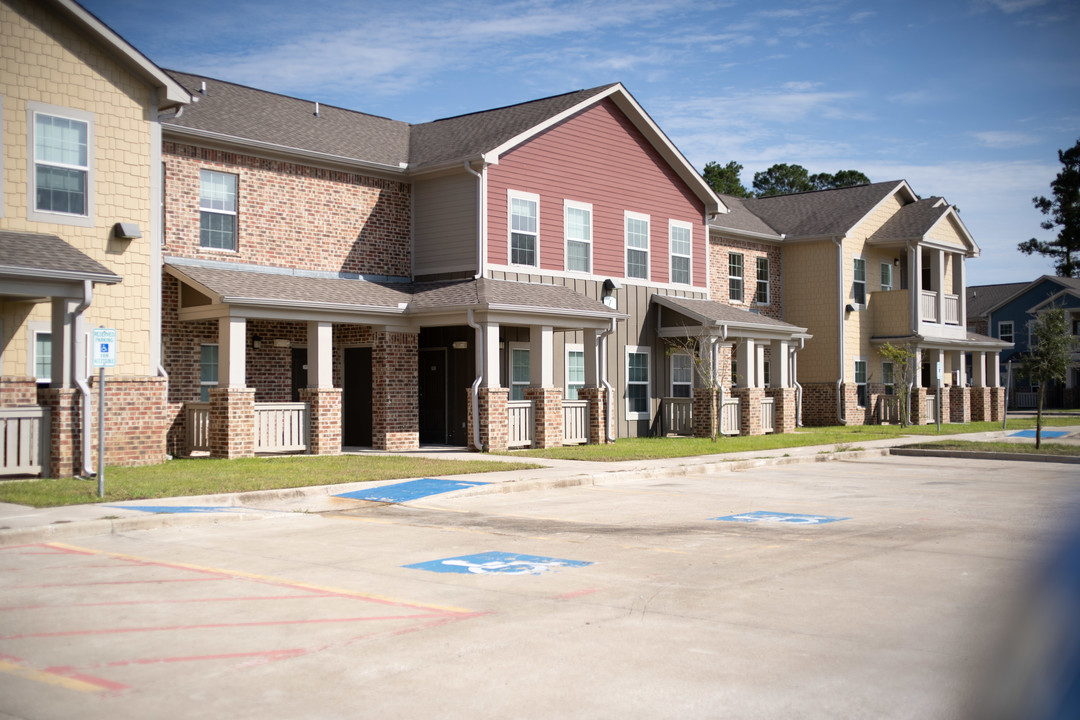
{"x":491,"y":563}
{"x":775,"y":517}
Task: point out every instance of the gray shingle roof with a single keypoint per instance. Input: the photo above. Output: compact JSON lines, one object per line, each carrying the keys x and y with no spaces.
{"x":505,"y":294}
{"x":980,"y":298}
{"x":242,"y":112}
{"x":820,"y":213}
{"x":722,"y":314}
{"x":47,"y":256}
{"x":913,"y":220}
{"x":740,"y":219}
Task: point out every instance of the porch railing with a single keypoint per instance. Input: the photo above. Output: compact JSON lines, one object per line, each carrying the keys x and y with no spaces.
{"x":768,"y":415}
{"x":931,"y":409}
{"x":1025,"y":399}
{"x":729,"y":416}
{"x":575,"y":422}
{"x":519,"y":423}
{"x":24,"y":433}
{"x":678,"y":416}
{"x":888,"y":409}
{"x":281,"y":427}
{"x":928,"y":306}
{"x":198,"y":427}
{"x":952,"y":309}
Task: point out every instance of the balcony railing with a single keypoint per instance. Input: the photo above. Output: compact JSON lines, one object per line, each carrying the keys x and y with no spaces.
{"x":952,"y":309}
{"x":928,"y":307}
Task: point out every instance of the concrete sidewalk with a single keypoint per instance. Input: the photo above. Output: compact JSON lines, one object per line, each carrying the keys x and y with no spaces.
{"x":20,"y":524}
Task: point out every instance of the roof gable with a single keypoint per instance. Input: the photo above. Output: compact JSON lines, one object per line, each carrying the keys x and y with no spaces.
{"x":822,"y":213}
{"x":1024,"y":288}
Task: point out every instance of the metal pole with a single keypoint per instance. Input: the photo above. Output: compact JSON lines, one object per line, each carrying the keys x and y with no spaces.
{"x":101,"y":434}
{"x":1008,"y":384}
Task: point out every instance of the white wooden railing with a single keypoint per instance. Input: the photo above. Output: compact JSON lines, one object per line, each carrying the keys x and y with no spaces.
{"x":768,"y":415}
{"x":931,"y":409}
{"x":678,"y":416}
{"x":952,"y":309}
{"x":928,"y":305}
{"x":198,"y":427}
{"x":520,"y":423}
{"x":1025,"y":399}
{"x":575,"y":422}
{"x":888,"y":409}
{"x":729,"y":416}
{"x":281,"y":427}
{"x":24,"y":433}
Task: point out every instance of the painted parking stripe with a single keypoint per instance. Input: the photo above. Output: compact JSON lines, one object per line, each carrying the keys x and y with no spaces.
{"x":1045,"y":434}
{"x":776,"y":517}
{"x":501,"y":563}
{"x":183,"y":508}
{"x":410,"y":490}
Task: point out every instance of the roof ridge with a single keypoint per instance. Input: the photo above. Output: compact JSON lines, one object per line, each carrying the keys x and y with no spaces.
{"x":519,"y":104}
{"x":825,"y":190}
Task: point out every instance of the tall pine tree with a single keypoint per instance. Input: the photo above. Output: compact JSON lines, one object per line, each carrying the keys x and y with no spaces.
{"x":1064,"y":212}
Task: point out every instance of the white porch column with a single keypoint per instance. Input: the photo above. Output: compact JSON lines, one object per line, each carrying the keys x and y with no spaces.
{"x":916,"y":375}
{"x":779,"y":377}
{"x":746,"y":357}
{"x":993,"y":369}
{"x":320,"y":341}
{"x":232,"y":352}
{"x":978,"y":369}
{"x":960,"y":286}
{"x":915,"y":285}
{"x":491,"y":354}
{"x":590,"y":338}
{"x":63,"y":336}
{"x":934,"y":357}
{"x":957,"y":359}
{"x":939,"y":271}
{"x":541,"y":356}
{"x":759,"y":365}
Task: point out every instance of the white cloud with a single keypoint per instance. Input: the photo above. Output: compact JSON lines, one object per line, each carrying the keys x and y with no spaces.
{"x":1004,"y":139}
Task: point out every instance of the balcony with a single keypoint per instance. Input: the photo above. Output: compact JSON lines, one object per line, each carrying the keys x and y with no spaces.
{"x":891,"y":311}
{"x":928,"y":308}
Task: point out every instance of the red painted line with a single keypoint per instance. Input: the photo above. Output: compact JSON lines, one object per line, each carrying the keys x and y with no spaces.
{"x":576,"y":593}
{"x":47,"y":549}
{"x":121,"y":582}
{"x":165,"y":602}
{"x":218,"y":626}
{"x":270,"y":654}
{"x":70,"y":672}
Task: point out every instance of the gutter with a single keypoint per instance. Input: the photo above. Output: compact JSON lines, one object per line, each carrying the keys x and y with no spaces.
{"x":839,"y":241}
{"x":795,"y":381}
{"x":481,"y":219}
{"x":602,"y":342}
{"x":478,"y":380}
{"x":80,"y":381}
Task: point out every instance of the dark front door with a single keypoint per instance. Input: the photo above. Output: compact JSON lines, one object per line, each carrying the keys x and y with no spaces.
{"x":356,"y":398}
{"x":432,"y":390}
{"x":299,"y":372}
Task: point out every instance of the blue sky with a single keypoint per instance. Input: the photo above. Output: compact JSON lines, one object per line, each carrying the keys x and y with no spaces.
{"x":969,"y":99}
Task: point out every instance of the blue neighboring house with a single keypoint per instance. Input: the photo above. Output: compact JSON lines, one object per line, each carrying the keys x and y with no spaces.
{"x":1007,"y":312}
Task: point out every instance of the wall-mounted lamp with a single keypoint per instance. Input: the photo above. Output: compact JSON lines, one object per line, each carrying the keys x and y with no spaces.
{"x":126,"y":231}
{"x":256,"y":341}
{"x":849,"y":308}
{"x":896,"y":262}
{"x":610,"y":285}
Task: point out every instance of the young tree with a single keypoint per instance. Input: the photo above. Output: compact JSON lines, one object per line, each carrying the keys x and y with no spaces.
{"x":725,"y":179}
{"x":705,"y":368}
{"x":902,"y":358}
{"x":1049,"y":358}
{"x":1064,"y":211}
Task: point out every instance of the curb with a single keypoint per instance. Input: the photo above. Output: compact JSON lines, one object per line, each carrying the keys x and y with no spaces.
{"x":976,"y":455}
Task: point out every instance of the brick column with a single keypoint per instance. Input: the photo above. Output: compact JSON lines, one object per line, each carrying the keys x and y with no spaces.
{"x":494,"y":430}
{"x":944,"y":408}
{"x":918,"y":406}
{"x":706,"y":412}
{"x":785,"y":408}
{"x":997,"y":404}
{"x":18,"y":392}
{"x":980,"y":404}
{"x":597,"y":413}
{"x":65,"y":445}
{"x":395,"y":403}
{"x":548,"y":416}
{"x":959,"y":404}
{"x":232,"y":422}
{"x":749,"y":409}
{"x":324,"y":417}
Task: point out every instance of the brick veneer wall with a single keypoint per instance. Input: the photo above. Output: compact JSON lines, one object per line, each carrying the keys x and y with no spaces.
{"x":324,"y":432}
{"x":395,"y":403}
{"x":918,"y":406}
{"x":292,"y":215}
{"x":749,"y":409}
{"x":18,"y":391}
{"x":232,"y":422}
{"x":64,"y":433}
{"x":997,"y":404}
{"x":597,"y":413}
{"x":494,"y":421}
{"x":720,"y":248}
{"x":944,"y":407}
{"x":547,"y":416}
{"x":959,"y":404}
{"x":819,"y":404}
{"x":980,"y":404}
{"x":705,"y":416}
{"x":785,"y":408}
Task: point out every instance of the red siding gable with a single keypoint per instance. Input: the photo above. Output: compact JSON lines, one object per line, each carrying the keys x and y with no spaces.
{"x":597,"y":157}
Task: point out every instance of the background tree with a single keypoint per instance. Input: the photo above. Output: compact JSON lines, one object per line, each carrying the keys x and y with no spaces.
{"x":1064,"y":212}
{"x":782,"y":179}
{"x":841,"y":179}
{"x":725,"y":179}
{"x":902,"y":358}
{"x":1049,"y":357}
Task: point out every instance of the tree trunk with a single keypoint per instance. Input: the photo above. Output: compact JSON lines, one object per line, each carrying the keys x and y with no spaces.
{"x":1038,"y":417}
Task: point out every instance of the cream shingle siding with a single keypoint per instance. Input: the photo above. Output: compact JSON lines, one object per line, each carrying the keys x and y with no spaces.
{"x":44,"y":60}
{"x":810,"y":302}
{"x":947,"y":232}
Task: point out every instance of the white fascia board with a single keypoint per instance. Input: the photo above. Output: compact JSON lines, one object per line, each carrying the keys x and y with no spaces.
{"x":951,"y":213}
{"x":902,"y":185}
{"x":172,"y":93}
{"x":746,"y":235}
{"x":32,"y":275}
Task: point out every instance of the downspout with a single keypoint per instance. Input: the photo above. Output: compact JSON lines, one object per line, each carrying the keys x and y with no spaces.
{"x":80,"y":381}
{"x":840,"y":326}
{"x":716,"y":373}
{"x":481,"y":219}
{"x":795,"y":380}
{"x":601,"y":342}
{"x":478,"y":380}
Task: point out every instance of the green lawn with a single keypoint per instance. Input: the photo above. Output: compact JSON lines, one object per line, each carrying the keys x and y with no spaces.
{"x":204,"y":476}
{"x":1024,"y":448}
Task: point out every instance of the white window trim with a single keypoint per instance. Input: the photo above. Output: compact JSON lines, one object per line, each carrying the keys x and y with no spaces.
{"x":512,"y":195}
{"x":884,"y":376}
{"x":647,"y":413}
{"x":855,"y":282}
{"x":33,"y":329}
{"x":742,"y":279}
{"x":233,"y":213}
{"x":510,"y":383}
{"x":204,"y":383}
{"x":758,"y":281}
{"x":865,"y":383}
{"x":566,"y":366}
{"x":1012,"y":330}
{"x":630,"y":215}
{"x":892,"y":277}
{"x":32,"y":213}
{"x":672,"y":224}
{"x":671,"y":374}
{"x":567,"y":205}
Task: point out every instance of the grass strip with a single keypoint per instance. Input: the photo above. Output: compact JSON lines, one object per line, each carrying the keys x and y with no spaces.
{"x":1023,"y":448}
{"x":205,"y":476}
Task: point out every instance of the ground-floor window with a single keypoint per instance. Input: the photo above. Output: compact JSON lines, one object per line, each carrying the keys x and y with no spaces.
{"x":682,"y":375}
{"x":519,"y":372}
{"x":637,"y":383}
{"x":575,"y":370}
{"x":860,"y":382}
{"x":43,"y":356}
{"x":888,"y":378}
{"x":208,"y":370}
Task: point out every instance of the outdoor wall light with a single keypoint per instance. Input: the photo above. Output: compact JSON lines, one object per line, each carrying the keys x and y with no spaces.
{"x":126,"y":231}
{"x":849,"y":308}
{"x":256,"y":342}
{"x":896,"y":262}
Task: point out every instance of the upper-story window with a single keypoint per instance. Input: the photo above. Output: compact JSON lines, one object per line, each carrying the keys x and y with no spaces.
{"x":217,"y":210}
{"x":858,"y":282}
{"x":524,"y":228}
{"x":762,"y":294}
{"x":735,"y":276}
{"x":578,"y":223}
{"x":1005,"y":331}
{"x":679,"y":239}
{"x":886,"y":276}
{"x":637,"y":245}
{"x":62,"y":177}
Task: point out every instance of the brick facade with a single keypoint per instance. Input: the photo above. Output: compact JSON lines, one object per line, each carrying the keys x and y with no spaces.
{"x":705,"y":416}
{"x":597,"y":413}
{"x":395,"y":418}
{"x":785,"y":408}
{"x":324,"y":415}
{"x":65,"y":431}
{"x":918,"y":406}
{"x":494,"y":430}
{"x":232,"y":422}
{"x":997,"y":404}
{"x":959,"y":404}
{"x":547,"y":414}
{"x":749,"y":409}
{"x":980,"y":404}
{"x":719,"y":286}
{"x":18,"y":392}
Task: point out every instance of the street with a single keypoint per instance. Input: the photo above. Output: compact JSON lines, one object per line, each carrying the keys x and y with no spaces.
{"x":867,"y":588}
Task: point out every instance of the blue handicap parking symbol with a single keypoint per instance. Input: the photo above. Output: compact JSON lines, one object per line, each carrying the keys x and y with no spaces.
{"x":775,"y":517}
{"x":177,"y":508}
{"x":1045,"y":433}
{"x":502,"y":563}
{"x":411,"y":490}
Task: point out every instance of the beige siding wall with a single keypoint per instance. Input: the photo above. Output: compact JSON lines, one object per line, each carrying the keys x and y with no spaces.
{"x":43,"y":60}
{"x":445,"y":232}
{"x":949,"y":233}
{"x":810,"y":302}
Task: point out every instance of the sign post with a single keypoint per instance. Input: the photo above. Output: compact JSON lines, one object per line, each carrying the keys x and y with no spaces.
{"x":940,"y":389}
{"x":104,"y":355}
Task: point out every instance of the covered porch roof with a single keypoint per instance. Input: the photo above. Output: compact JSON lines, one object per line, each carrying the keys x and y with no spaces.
{"x":712,"y":318}
{"x":972,"y":342}
{"x":36,"y":266}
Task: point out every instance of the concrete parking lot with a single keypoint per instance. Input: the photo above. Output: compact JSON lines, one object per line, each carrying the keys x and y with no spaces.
{"x":869,"y":588}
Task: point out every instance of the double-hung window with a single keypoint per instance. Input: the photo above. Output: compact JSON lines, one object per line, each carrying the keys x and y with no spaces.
{"x":62,"y":142}
{"x":858,"y":282}
{"x":761,"y":297}
{"x":575,"y":370}
{"x":637,"y":382}
{"x":886,"y":276}
{"x":1005,"y":331}
{"x":42,"y":356}
{"x":860,"y":382}
{"x":888,"y":377}
{"x":637,"y":245}
{"x":679,"y":239}
{"x":578,"y":223}
{"x":682,"y":375}
{"x":519,"y":372}
{"x":217,"y":210}
{"x":735,"y":276}
{"x":524,"y":228}
{"x":208,"y":370}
